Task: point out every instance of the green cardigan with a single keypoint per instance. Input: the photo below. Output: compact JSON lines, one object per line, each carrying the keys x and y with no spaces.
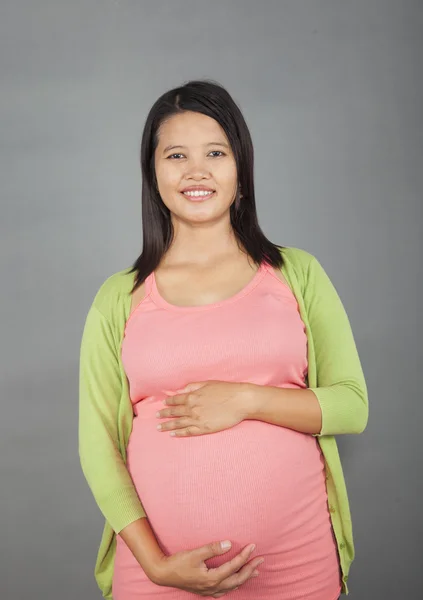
{"x":105,"y":410}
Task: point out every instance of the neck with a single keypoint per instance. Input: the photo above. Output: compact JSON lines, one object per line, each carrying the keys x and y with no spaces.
{"x":202,"y":243}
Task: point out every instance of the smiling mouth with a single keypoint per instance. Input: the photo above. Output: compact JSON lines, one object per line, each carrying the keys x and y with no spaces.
{"x":198,"y":195}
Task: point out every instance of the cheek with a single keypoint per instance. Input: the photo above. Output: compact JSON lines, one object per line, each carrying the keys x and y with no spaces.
{"x":231,"y":182}
{"x":167,"y":177}
{"x":227,"y":176}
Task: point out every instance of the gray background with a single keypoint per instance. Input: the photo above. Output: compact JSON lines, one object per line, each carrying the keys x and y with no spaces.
{"x":332,"y":91}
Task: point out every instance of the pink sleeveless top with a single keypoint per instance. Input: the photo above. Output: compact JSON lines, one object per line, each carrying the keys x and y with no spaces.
{"x":254,"y":483}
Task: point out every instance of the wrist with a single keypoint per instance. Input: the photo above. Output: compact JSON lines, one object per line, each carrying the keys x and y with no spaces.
{"x":249,"y":400}
{"x":156,"y":570}
{"x":141,"y":541}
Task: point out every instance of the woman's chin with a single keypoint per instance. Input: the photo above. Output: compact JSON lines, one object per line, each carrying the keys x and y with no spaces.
{"x":202,"y":213}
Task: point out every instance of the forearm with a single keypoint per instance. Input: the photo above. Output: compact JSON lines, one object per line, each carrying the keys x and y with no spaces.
{"x":296,"y":409}
{"x":141,"y":541}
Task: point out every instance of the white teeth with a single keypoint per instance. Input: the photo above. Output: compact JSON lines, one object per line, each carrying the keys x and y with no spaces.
{"x":198,"y":193}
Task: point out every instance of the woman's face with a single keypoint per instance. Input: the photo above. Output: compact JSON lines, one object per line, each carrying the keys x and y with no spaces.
{"x":195,"y":168}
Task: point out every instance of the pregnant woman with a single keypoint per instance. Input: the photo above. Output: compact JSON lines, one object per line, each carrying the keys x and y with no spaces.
{"x":214,"y":375}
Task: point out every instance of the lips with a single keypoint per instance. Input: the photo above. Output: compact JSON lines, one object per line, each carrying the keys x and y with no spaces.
{"x":198,"y":192}
{"x":197,"y":188}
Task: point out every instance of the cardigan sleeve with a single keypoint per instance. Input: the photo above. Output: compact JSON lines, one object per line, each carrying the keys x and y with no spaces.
{"x":341,"y":388}
{"x":100,"y":389}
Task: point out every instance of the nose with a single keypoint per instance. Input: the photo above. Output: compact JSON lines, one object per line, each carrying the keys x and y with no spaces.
{"x":196,"y":169}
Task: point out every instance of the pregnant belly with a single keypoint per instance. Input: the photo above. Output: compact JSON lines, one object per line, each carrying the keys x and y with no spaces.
{"x":255,"y":482}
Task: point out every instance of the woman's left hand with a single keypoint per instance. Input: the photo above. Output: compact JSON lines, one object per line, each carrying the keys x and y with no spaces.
{"x":204,"y":407}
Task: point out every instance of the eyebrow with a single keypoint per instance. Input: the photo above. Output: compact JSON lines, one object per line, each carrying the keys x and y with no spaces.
{"x":210,"y":144}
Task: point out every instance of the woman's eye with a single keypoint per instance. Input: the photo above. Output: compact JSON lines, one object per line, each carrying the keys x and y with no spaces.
{"x":213,"y":153}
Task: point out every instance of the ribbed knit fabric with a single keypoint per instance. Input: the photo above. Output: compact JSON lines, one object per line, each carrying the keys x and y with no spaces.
{"x":106,"y":415}
{"x":255,"y":482}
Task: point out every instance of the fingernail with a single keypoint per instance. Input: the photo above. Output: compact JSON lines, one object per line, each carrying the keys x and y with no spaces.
{"x":255,"y":574}
{"x":260,"y":562}
{"x":253,"y":547}
{"x":226,"y":544}
{"x":157,"y":414}
{"x":159,"y":426}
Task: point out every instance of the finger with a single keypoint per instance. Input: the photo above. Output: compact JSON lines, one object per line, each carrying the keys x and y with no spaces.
{"x":183,"y":423}
{"x":220,"y":594}
{"x":233,"y":565}
{"x":187,"y":432}
{"x":175,"y":399}
{"x":211,"y":550}
{"x":247,"y":572}
{"x":173,"y":411}
{"x":174,"y":392}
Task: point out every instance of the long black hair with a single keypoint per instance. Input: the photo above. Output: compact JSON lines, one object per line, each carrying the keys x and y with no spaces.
{"x":211,"y":99}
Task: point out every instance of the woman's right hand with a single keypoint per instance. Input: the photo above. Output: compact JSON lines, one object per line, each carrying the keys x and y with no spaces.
{"x":188,"y":571}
